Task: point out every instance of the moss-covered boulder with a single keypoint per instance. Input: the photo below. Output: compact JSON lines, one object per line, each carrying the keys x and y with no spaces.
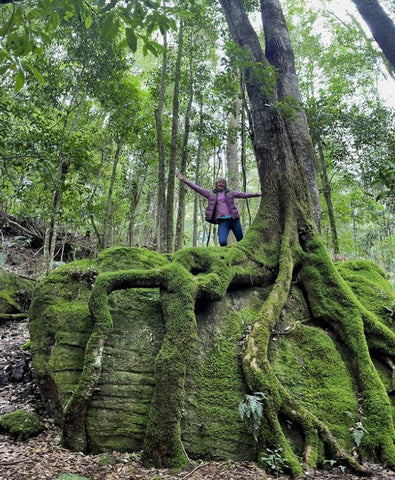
{"x":21,"y":424}
{"x":106,"y":371}
{"x":15,"y":293}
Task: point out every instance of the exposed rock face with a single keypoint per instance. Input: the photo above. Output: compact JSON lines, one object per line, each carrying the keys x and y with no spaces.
{"x":306,"y":358}
{"x":60,"y":326}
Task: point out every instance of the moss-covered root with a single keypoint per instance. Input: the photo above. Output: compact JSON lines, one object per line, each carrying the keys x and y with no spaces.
{"x":333,"y":303}
{"x":74,"y":434}
{"x":315,"y":434}
{"x":256,"y":366}
{"x":5,"y":317}
{"x":162,"y":444}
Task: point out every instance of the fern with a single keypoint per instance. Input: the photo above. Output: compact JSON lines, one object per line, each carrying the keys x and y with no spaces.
{"x":251,"y":411}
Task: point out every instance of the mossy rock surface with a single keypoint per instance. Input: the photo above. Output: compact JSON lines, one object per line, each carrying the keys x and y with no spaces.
{"x":116,"y":417}
{"x":21,"y":424}
{"x":15,"y":293}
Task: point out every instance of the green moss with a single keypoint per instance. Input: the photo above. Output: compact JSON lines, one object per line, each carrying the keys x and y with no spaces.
{"x":333,"y":302}
{"x":370,"y":285}
{"x":26,"y":346}
{"x":21,"y":424}
{"x":308,"y":363}
{"x":154,"y":369}
{"x":15,"y":293}
{"x":117,"y":258}
{"x":211,"y":422}
{"x":162,"y":444}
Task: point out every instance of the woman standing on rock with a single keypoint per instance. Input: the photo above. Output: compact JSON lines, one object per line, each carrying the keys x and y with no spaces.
{"x":221,"y":207}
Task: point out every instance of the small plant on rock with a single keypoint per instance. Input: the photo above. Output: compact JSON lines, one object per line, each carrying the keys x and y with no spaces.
{"x":251,"y":411}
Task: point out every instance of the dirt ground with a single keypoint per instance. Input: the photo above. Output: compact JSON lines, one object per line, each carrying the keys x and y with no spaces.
{"x":43,"y":457}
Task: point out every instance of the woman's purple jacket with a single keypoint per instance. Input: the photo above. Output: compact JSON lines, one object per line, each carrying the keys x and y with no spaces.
{"x":213,"y":211}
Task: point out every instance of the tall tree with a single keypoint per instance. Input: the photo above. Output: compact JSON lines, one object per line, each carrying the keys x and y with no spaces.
{"x":161,"y":200}
{"x":174,"y":141}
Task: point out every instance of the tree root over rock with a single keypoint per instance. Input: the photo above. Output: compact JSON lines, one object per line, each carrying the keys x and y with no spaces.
{"x":208,"y":273}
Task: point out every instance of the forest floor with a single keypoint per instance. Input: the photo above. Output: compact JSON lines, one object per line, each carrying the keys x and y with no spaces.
{"x":42,"y":457}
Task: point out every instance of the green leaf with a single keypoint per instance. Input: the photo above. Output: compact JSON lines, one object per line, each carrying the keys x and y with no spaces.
{"x":3,"y":69}
{"x":19,"y":81}
{"x":88,"y":21}
{"x":110,"y":28}
{"x":358,"y":435}
{"x":36,"y":73}
{"x":131,"y":39}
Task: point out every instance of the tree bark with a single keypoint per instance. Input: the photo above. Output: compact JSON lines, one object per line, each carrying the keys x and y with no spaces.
{"x":279,"y":53}
{"x":161,"y":198}
{"x":328,"y":199}
{"x":174,"y":143}
{"x":381,"y":26}
{"x":107,"y":220}
{"x":197,"y":175}
{"x":136,"y":187}
{"x":232,"y":157}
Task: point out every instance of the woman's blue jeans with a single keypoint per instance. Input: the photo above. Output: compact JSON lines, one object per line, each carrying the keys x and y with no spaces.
{"x":224,"y":226}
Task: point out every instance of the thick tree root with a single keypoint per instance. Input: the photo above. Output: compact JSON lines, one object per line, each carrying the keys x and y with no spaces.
{"x":333,"y":303}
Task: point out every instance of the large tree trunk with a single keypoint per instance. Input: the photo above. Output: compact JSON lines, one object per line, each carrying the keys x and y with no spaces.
{"x":285,"y":162}
{"x":381,"y":26}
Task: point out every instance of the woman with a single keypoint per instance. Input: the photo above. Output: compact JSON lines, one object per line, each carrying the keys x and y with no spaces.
{"x":221,"y":207}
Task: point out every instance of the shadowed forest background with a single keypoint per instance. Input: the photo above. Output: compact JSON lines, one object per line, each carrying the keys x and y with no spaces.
{"x":226,"y":351}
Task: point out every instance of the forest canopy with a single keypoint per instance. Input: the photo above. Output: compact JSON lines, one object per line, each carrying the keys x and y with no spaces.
{"x":102,"y":103}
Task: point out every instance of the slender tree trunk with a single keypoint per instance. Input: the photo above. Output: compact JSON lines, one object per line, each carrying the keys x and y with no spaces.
{"x":197,"y":176}
{"x":161,"y":198}
{"x":136,"y":187}
{"x":107,"y":220}
{"x":232,"y":154}
{"x":328,"y":199}
{"x":174,"y":143}
{"x":149,"y":237}
{"x":51,"y":230}
{"x":180,"y":224}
